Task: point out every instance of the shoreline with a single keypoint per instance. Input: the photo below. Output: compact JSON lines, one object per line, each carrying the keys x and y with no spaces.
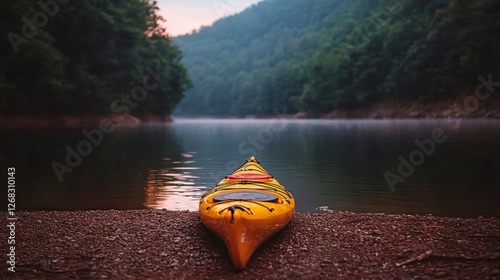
{"x":455,"y":108}
{"x":460,"y":107}
{"x":161,"y":244}
{"x":79,"y":121}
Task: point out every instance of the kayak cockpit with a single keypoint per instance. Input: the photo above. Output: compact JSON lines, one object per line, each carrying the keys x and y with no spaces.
{"x":245,"y":196}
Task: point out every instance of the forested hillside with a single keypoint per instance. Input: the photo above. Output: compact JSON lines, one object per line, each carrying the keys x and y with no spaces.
{"x":321,"y":55}
{"x":78,"y":57}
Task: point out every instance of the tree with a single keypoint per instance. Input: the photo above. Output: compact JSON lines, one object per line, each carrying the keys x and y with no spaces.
{"x":88,"y":54}
{"x":318,"y":56}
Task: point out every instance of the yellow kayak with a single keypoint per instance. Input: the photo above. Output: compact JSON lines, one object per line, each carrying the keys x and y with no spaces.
{"x":245,"y":209}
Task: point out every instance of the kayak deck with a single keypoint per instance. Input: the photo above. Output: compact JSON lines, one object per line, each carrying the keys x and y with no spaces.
{"x":245,"y":209}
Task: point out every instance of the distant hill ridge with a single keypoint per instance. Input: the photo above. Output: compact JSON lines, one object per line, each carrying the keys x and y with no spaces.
{"x":325,"y":55}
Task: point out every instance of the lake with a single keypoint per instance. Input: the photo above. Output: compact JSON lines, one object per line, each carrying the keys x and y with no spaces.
{"x":439,"y":167}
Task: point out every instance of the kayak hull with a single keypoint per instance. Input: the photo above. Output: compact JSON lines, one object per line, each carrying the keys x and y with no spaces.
{"x":244,"y":213}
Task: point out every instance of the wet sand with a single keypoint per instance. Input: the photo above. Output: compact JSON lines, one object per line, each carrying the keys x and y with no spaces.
{"x":161,"y":244}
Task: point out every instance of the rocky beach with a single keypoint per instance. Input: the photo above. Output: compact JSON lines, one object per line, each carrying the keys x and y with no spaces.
{"x":162,"y":244}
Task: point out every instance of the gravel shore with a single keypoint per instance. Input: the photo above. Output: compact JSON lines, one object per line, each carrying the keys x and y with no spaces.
{"x":161,"y":244}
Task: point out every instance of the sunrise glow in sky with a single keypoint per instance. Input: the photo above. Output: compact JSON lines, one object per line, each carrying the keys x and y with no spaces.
{"x":183,"y":16}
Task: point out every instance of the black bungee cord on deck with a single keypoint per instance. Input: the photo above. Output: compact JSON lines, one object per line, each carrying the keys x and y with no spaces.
{"x":266,"y":185}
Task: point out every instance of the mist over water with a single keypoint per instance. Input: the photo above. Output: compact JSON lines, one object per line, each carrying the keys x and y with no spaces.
{"x":340,"y":164}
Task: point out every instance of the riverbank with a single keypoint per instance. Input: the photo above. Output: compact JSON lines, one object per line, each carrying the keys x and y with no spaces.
{"x":161,"y":244}
{"x":28,"y":121}
{"x":465,"y":106}
{"x":461,"y":107}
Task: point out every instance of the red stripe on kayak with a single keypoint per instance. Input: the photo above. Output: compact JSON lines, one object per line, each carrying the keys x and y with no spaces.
{"x":249,"y":176}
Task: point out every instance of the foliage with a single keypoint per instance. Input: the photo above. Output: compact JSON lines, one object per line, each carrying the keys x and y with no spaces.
{"x":321,"y":55}
{"x":83,"y":55}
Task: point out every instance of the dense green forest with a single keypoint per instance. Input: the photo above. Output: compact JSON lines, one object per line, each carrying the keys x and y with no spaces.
{"x":320,"y":55}
{"x":87,"y":57}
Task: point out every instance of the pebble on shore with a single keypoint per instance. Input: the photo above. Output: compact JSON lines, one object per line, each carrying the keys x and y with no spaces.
{"x":162,"y":244}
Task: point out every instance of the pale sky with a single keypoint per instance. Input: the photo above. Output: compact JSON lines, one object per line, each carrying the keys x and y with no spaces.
{"x":185,"y":15}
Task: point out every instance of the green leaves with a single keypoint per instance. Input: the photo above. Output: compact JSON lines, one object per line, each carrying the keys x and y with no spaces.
{"x":89,"y":54}
{"x":321,"y":55}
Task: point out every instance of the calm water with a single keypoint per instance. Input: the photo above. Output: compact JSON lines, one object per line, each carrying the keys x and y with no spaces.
{"x":338,"y":164}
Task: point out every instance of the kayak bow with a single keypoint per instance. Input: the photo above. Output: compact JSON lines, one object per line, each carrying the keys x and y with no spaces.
{"x":245,"y":209}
